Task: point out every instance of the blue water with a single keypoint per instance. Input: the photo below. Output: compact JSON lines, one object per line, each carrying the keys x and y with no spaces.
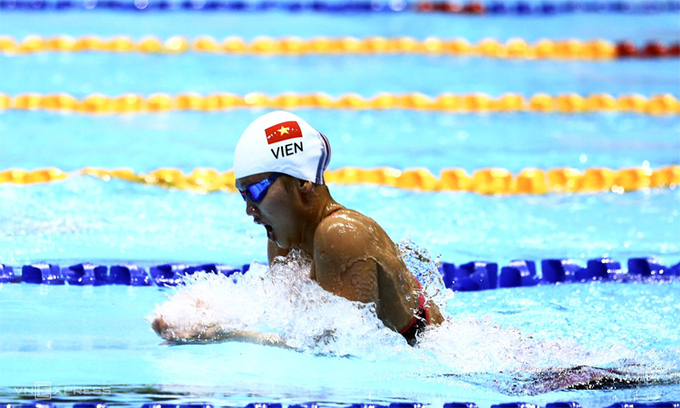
{"x":187,"y":140}
{"x":81,"y":75}
{"x":85,"y":219}
{"x":496,"y":341}
{"x":70,"y":333}
{"x":613,"y":27}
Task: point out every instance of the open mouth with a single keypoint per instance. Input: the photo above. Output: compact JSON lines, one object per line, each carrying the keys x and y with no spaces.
{"x":270,"y":232}
{"x":269,"y":228}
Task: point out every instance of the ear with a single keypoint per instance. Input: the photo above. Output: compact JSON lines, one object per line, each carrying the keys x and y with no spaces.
{"x":305,"y":185}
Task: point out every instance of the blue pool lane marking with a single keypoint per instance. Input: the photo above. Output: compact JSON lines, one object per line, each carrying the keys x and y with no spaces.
{"x":42,"y":273}
{"x":559,"y":404}
{"x":471,"y":276}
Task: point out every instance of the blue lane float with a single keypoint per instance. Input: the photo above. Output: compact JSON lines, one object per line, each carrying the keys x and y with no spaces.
{"x":471,"y":276}
{"x":85,"y":274}
{"x":545,"y":8}
{"x":603,"y":269}
{"x":647,"y":267}
{"x":305,"y":405}
{"x":7,"y":274}
{"x":518,"y":273}
{"x":130,"y":275}
{"x":460,"y":405}
{"x":42,"y":273}
{"x":448,"y":272}
{"x":90,"y":405}
{"x":561,"y":270}
{"x":173,"y":274}
{"x":214,"y":268}
{"x":474,"y":276}
{"x":32,"y":405}
{"x":567,"y":404}
{"x":167,"y":275}
{"x":264,"y":405}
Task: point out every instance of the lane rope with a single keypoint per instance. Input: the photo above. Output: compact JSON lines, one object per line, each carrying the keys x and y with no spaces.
{"x":514,"y":48}
{"x":545,"y":8}
{"x":488,"y":181}
{"x":661,"y":104}
{"x":264,"y":404}
{"x":471,"y":276}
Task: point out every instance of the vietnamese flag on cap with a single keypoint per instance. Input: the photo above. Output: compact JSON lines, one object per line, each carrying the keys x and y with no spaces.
{"x":283,"y":131}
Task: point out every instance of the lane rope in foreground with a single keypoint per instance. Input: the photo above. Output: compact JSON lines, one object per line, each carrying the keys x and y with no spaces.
{"x":489,"y":181}
{"x":97,"y":390}
{"x":471,"y":276}
{"x":524,"y":8}
{"x":571,"y":103}
{"x":514,"y":48}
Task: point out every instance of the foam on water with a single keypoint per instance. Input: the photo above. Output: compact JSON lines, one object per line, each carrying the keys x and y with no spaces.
{"x":279,"y":300}
{"x":282,"y":300}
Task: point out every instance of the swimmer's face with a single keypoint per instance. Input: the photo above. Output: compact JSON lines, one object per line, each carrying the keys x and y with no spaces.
{"x":277,"y":209}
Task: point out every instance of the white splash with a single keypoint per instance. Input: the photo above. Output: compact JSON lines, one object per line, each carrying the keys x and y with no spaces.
{"x":426,"y":269}
{"x":283,"y":300}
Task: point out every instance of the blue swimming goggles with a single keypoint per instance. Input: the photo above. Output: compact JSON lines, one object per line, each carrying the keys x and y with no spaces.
{"x":256,"y":191}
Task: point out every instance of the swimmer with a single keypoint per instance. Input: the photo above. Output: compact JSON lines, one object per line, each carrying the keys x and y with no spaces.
{"x":279,"y":166}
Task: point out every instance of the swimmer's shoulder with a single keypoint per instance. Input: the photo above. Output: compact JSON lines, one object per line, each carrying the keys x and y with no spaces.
{"x":348,"y":231}
{"x":342,"y":220}
{"x":348,"y":216}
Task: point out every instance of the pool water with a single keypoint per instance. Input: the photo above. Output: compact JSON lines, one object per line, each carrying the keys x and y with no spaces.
{"x":499,"y":346}
{"x":497,"y":341}
{"x":86,"y":219}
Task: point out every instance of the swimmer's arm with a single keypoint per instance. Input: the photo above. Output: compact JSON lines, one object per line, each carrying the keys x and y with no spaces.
{"x":214,"y":334}
{"x":217,"y":335}
{"x":342,"y":265}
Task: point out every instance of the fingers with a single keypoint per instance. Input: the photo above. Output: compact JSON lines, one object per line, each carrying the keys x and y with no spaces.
{"x":158,"y":325}
{"x":182,"y":334}
{"x":161,"y":328}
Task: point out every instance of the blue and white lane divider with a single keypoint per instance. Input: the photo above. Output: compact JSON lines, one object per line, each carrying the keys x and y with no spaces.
{"x":474,"y":276}
{"x":563,"y":404}
{"x":521,"y":7}
{"x":471,"y":276}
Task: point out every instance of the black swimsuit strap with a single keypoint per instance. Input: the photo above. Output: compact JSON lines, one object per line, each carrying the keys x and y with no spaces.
{"x":416,"y":328}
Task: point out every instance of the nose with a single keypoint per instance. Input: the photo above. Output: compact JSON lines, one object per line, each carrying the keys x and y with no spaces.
{"x":251,"y":208}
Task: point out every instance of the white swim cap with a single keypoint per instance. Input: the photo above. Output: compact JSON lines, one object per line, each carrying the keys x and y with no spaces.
{"x":281,"y":142}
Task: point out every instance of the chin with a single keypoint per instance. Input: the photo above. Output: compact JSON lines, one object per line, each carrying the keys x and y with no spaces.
{"x":280,"y":244}
{"x":284,"y":243}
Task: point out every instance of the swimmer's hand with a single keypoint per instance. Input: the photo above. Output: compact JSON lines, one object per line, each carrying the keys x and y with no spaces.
{"x":167,"y":332}
{"x":212,"y":334}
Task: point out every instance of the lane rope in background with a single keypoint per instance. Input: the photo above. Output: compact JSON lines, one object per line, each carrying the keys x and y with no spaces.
{"x":489,"y":181}
{"x":545,"y":8}
{"x":524,"y":8}
{"x":514,"y":48}
{"x":571,"y":103}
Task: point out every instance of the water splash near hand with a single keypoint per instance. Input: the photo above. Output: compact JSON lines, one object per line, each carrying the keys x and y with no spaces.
{"x":282,"y":300}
